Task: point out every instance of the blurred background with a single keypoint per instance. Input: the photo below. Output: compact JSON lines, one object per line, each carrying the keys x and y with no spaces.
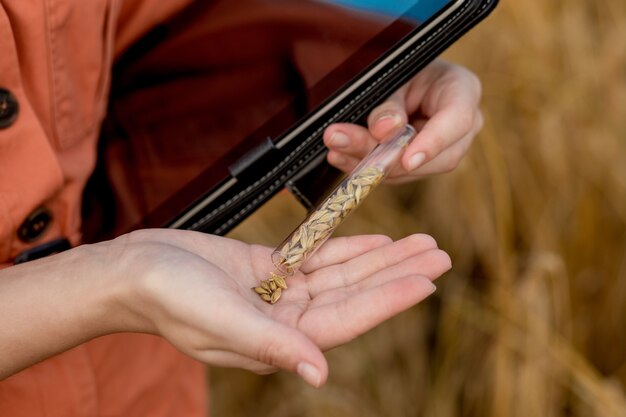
{"x":530,"y":321}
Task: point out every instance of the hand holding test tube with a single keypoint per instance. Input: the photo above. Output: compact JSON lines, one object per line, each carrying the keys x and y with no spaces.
{"x":321,"y":223}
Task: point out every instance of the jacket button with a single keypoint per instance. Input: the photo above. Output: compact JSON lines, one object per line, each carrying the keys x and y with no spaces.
{"x":9,"y":108}
{"x":35,"y":225}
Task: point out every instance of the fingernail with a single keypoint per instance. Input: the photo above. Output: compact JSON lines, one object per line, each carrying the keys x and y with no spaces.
{"x":416,"y":160}
{"x":339,"y":140}
{"x":388,"y":121}
{"x":309,"y":373}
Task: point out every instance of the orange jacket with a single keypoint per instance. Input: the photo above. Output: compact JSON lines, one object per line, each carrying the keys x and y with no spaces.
{"x":55,"y":61}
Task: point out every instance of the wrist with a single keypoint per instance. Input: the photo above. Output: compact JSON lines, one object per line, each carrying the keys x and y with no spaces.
{"x":121,"y":304}
{"x":93,"y":291}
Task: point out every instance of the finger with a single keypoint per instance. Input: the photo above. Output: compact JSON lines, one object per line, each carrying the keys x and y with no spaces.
{"x":226,"y":359}
{"x":389,"y":116}
{"x":431,"y":264}
{"x":341,"y":249}
{"x":354,"y":270}
{"x":439,"y":133}
{"x":264,"y":340}
{"x":453,"y":115}
{"x":446,"y":161}
{"x":349,"y":139}
{"x":335,"y":324}
{"x":342,"y":161}
{"x":449,"y":159}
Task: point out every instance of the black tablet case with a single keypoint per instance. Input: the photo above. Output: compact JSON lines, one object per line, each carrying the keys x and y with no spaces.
{"x":300,"y":165}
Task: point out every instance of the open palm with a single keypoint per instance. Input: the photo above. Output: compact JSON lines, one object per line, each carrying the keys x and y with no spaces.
{"x":348,"y":287}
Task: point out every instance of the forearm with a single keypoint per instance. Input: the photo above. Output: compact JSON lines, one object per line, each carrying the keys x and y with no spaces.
{"x":54,"y":304}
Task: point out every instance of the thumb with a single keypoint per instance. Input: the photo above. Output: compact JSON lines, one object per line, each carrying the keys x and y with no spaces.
{"x":289,"y":349}
{"x":278,"y":345}
{"x":389,"y":116}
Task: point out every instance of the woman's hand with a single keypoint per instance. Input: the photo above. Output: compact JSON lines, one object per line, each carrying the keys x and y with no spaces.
{"x":195,"y":290}
{"x":442,"y":102}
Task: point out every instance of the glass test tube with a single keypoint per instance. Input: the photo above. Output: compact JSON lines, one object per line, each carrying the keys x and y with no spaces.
{"x":347,"y":196}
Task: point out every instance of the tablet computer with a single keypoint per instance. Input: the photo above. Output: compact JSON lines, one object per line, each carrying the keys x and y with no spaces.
{"x":215,"y":111}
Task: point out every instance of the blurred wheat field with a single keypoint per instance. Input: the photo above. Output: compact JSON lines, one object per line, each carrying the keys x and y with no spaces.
{"x":530,"y":321}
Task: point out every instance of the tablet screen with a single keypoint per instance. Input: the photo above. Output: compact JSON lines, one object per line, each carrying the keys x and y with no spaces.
{"x":230,"y":74}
